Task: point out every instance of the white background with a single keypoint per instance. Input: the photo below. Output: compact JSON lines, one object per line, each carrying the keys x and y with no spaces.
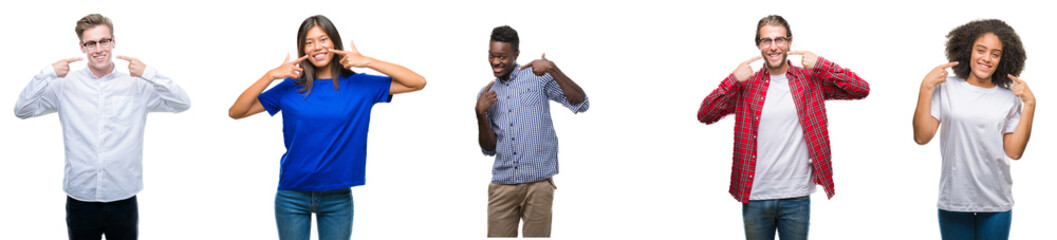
{"x":637,"y":165}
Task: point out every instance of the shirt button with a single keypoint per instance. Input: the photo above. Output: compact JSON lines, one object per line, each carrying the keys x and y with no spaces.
{"x":511,"y":124}
{"x":510,"y":110}
{"x":750,"y":176}
{"x":515,"y":153}
{"x":507,"y":97}
{"x":511,"y":139}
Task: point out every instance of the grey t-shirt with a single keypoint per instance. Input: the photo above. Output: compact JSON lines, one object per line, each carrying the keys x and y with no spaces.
{"x":973,"y":120}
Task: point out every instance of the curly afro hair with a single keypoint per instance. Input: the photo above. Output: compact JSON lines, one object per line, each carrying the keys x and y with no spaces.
{"x":960,"y":46}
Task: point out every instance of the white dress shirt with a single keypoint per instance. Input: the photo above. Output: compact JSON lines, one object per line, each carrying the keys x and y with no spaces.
{"x":102,"y":125}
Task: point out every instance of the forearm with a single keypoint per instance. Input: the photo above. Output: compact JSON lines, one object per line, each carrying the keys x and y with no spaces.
{"x":400,"y":74}
{"x":1018,"y":140}
{"x":485,"y":137}
{"x":845,"y":83}
{"x":924,"y":124}
{"x":720,"y":102}
{"x":246,"y":101}
{"x":573,"y":93}
{"x":174,"y":98}
{"x":33,"y":101}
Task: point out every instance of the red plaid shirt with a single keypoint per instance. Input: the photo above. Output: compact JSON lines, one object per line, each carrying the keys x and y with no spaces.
{"x":809,"y":89}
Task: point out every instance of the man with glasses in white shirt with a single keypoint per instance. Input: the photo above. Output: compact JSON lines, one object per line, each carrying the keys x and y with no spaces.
{"x":103,"y":113}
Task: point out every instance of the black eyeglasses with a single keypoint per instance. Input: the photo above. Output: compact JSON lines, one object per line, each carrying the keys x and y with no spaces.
{"x":781,"y":41}
{"x":91,"y":45}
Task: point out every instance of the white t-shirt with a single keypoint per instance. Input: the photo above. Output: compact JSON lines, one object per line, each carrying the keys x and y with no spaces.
{"x":783,"y":168}
{"x":973,"y":120}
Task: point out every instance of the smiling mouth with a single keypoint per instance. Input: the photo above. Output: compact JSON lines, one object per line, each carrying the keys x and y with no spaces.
{"x":319,"y":56}
{"x":984,"y":67}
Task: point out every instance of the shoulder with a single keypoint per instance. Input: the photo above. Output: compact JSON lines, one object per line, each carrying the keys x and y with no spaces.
{"x":366,"y":78}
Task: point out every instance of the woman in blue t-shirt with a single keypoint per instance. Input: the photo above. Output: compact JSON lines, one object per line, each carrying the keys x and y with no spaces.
{"x":326,"y":112}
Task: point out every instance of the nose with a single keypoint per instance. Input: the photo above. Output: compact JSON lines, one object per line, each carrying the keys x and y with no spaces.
{"x":494,"y":61}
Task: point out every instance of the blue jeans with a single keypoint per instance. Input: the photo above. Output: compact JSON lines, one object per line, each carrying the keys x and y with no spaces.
{"x":788,"y":216}
{"x":91,"y":220}
{"x":975,"y":225}
{"x":333,"y":208}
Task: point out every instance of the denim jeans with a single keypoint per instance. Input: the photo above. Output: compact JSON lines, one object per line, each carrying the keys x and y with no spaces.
{"x":333,"y":209}
{"x":975,"y":225}
{"x":788,"y":216}
{"x":91,"y":220}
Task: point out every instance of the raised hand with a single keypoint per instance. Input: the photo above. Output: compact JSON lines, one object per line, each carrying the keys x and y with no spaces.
{"x":539,"y":66}
{"x":1020,"y":89}
{"x":352,"y":57}
{"x":487,"y":98}
{"x":135,"y":66}
{"x":289,"y":69}
{"x":937,"y":75}
{"x":744,"y":72}
{"x":808,"y":59}
{"x":62,"y":67}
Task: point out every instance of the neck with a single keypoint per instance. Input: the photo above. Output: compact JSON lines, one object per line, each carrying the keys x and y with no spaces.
{"x":102,"y":72}
{"x":979,"y":82}
{"x":323,"y":72}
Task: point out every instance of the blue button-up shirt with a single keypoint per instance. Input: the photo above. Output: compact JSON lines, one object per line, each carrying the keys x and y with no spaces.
{"x":526,"y":145}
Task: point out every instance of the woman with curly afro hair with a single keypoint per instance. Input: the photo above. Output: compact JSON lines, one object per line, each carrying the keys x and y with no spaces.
{"x":985,"y":113}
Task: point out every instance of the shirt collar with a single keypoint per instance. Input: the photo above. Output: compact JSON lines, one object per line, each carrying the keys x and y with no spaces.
{"x":513,"y":75}
{"x":88,"y":71}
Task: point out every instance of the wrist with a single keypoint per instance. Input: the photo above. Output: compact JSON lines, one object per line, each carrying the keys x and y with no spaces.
{"x":370,"y":62}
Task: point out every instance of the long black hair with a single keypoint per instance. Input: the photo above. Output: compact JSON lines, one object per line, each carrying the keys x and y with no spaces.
{"x":336,"y":69}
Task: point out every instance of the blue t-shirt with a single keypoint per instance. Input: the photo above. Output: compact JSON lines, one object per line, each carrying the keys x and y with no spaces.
{"x":325,"y":133}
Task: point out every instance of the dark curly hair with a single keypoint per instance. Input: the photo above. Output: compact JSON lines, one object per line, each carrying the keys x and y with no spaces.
{"x":505,"y":34}
{"x":960,"y":48}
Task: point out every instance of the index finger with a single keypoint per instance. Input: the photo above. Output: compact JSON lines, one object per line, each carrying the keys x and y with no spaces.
{"x":753,"y":59}
{"x":796,"y":52}
{"x":1015,"y":78}
{"x":126,"y":58}
{"x":74,"y":59}
{"x":947,"y":65}
{"x":301,"y":58}
{"x":336,"y":51}
{"x":486,"y":88}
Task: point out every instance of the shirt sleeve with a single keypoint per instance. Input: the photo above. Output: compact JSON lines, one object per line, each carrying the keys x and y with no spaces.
{"x":934,"y":110}
{"x":838,"y":82}
{"x":555,"y":93}
{"x":39,"y":97}
{"x":164,"y":95}
{"x":379,"y":84}
{"x":1013,"y":117}
{"x":721,"y":101}
{"x":271,"y":99}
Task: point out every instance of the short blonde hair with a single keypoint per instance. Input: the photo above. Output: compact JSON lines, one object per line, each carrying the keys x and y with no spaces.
{"x":91,"y":21}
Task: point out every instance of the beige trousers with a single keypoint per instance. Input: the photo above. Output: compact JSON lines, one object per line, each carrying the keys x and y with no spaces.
{"x":510,"y":203}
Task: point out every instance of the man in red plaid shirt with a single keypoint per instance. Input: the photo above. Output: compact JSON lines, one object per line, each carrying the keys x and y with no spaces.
{"x":781,"y":144}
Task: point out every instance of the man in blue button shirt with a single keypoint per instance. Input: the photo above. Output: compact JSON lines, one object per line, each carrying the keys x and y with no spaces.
{"x":514,"y":123}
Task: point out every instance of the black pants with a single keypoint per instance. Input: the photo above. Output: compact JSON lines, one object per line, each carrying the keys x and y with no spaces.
{"x":118,"y":220}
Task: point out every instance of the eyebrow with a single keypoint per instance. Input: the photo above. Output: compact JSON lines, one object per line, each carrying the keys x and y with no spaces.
{"x":985,"y":47}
